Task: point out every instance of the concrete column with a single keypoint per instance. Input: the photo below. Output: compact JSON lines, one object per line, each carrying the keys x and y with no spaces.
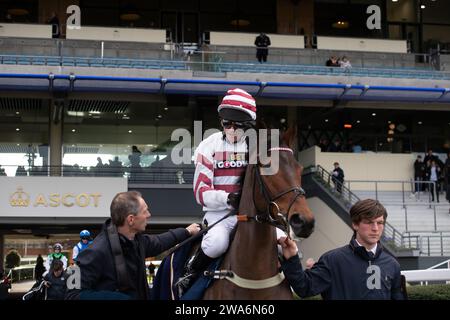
{"x":296,"y":17}
{"x":56,"y":135}
{"x":292,"y":120}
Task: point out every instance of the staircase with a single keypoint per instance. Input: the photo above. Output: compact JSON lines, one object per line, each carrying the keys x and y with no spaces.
{"x":392,"y":239}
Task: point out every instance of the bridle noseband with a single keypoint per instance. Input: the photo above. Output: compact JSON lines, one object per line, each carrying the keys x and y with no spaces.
{"x":265,"y":216}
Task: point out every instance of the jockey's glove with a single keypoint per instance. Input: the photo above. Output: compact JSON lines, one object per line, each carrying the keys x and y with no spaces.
{"x":233,"y":199}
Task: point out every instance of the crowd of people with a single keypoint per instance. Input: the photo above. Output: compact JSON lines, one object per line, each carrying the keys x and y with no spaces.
{"x":338,"y":146}
{"x":433,"y":175}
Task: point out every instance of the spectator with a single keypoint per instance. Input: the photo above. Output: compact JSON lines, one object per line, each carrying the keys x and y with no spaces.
{"x":39,"y":269}
{"x":349,"y":145}
{"x":338,"y":177}
{"x":336,"y":146}
{"x":345,"y":63}
{"x":323,"y":145}
{"x":116,"y":167}
{"x":151,"y":271}
{"x":434,"y":172}
{"x":419,"y":174}
{"x":85,"y":241}
{"x":430,"y":157}
{"x":55,"y":255}
{"x":332,"y":62}
{"x":262,"y":42}
{"x":360,"y":270}
{"x":54,"y":21}
{"x":21,"y":171}
{"x":55,"y":281}
{"x":113,"y":266}
{"x":135,"y":157}
{"x":2,"y":171}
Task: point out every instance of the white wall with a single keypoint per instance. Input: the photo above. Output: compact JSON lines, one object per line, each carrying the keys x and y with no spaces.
{"x":117,"y":34}
{"x":360,"y":44}
{"x":330,"y":231}
{"x":364,"y":166}
{"x":19,"y":30}
{"x":248,"y":40}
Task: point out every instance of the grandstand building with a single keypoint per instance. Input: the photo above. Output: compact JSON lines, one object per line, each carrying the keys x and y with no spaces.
{"x":74,"y":103}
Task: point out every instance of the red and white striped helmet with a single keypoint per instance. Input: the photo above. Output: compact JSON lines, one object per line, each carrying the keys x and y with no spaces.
{"x":237,"y":105}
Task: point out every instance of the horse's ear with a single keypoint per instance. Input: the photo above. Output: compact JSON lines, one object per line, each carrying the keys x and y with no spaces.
{"x":288,"y":136}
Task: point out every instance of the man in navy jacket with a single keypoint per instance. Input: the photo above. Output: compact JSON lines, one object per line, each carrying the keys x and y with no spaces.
{"x":361,"y":270}
{"x":113,"y":266}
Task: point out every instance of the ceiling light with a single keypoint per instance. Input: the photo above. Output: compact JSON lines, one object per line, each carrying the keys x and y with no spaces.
{"x":357,"y":121}
{"x":130,"y":131}
{"x":73,"y":130}
{"x":374,"y":114}
{"x":18,"y":144}
{"x":394,"y":0}
{"x":17,"y":112}
{"x":420,"y":122}
{"x":17,"y":129}
{"x":422,"y":6}
{"x":165,"y":109}
{"x":159,"y":116}
{"x":326,"y":120}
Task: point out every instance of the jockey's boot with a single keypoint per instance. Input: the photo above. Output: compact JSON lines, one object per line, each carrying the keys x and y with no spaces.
{"x":193,"y":270}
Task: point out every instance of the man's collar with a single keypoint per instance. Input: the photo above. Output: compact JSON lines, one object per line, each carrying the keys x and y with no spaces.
{"x":374,"y":249}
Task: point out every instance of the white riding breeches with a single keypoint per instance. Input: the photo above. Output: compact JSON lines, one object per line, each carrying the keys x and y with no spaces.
{"x":216,"y":241}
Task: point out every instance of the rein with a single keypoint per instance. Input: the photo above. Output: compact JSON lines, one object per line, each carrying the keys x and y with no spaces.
{"x":263,"y":217}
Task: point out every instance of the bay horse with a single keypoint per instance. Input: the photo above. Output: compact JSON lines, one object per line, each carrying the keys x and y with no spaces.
{"x":249,"y":269}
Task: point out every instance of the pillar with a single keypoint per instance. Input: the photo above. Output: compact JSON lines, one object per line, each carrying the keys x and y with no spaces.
{"x":56,"y":135}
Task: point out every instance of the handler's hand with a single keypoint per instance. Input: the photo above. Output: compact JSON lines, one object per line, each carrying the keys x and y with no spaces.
{"x":193,"y":228}
{"x":288,"y":246}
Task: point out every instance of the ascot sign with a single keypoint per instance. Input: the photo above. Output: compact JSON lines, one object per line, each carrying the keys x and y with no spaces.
{"x":22,"y":199}
{"x":58,"y":196}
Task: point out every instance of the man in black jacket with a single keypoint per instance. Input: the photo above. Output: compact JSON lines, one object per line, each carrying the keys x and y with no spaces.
{"x":419,"y":173}
{"x":361,"y":270}
{"x":338,"y":177}
{"x":113,"y":266}
{"x":262,"y":42}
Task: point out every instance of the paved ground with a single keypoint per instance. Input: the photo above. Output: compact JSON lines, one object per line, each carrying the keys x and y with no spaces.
{"x":19,"y":289}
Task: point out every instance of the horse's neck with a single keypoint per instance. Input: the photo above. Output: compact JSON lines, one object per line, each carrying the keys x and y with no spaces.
{"x":253,"y":253}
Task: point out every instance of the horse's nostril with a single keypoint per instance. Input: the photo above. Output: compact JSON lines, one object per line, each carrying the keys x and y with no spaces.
{"x":300,"y":226}
{"x":296,"y":221}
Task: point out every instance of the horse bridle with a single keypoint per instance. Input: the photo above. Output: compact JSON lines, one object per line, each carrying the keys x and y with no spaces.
{"x":281,"y":220}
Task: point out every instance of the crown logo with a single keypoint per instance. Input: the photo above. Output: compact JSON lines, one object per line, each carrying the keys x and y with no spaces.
{"x":19,"y":198}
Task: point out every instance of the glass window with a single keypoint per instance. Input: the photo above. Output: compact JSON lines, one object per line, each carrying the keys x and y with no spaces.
{"x":102,"y":138}
{"x":23,"y":136}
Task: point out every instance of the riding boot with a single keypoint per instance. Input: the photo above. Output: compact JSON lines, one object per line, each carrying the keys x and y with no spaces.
{"x":193,"y":269}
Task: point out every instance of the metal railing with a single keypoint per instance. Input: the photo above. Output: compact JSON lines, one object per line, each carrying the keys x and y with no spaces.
{"x":152,"y":175}
{"x":430,"y":243}
{"x":406,"y":187}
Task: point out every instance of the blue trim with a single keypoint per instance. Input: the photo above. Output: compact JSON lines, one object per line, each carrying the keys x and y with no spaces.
{"x":364,"y":96}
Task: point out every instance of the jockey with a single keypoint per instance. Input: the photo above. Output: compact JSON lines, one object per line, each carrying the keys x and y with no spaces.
{"x":220,"y":164}
{"x":56,"y":255}
{"x":85,"y":241}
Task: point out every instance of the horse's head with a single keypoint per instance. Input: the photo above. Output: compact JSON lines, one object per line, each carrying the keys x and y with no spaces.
{"x":281,"y":194}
